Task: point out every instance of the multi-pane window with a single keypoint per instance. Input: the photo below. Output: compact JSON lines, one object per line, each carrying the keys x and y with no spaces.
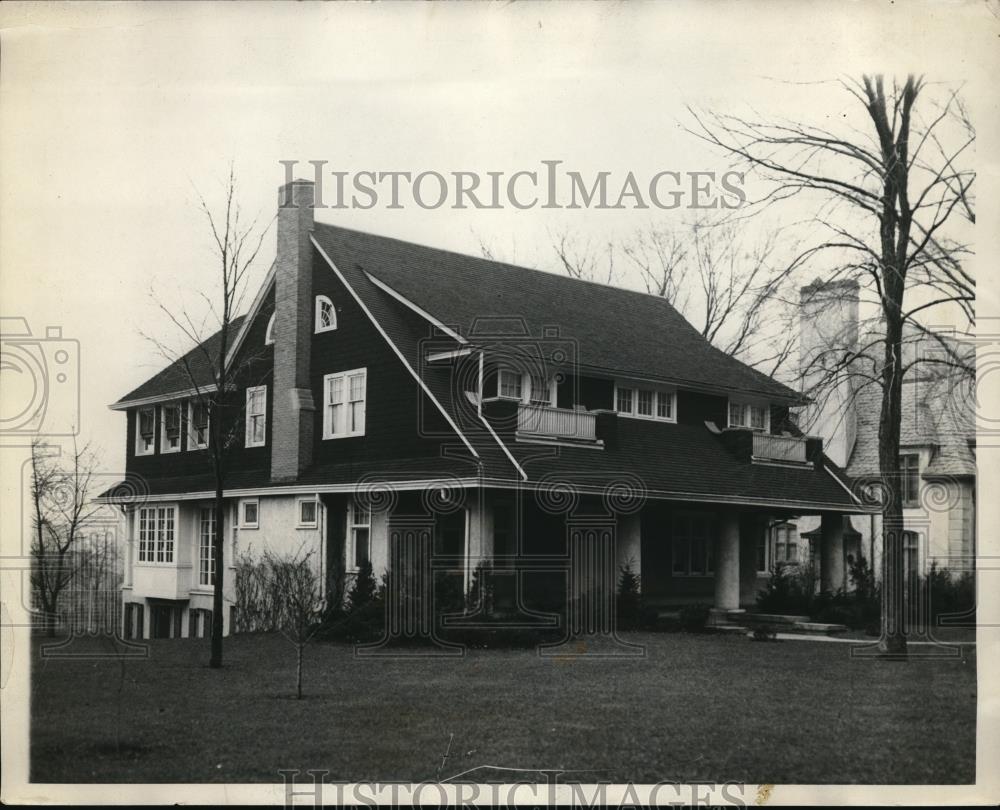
{"x":693,"y":545}
{"x":256,"y":427}
{"x":197,"y":425}
{"x":745,"y":415}
{"x":308,"y":514}
{"x":647,"y":403}
{"x":509,"y":384}
{"x":249,"y":515}
{"x":359,"y":531}
{"x":344,"y":408}
{"x":541,"y":393}
{"x":326,"y":315}
{"x":156,"y":534}
{"x":206,"y":547}
{"x":786,"y":543}
{"x":909,"y":473}
{"x":170,"y":416}
{"x":145,"y":431}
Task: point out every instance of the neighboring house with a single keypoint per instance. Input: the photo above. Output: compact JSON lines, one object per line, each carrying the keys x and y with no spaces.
{"x":418,"y":408}
{"x":937,"y":438}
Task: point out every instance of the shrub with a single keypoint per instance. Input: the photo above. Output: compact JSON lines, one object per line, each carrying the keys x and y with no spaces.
{"x":951,"y":594}
{"x":481,"y":588}
{"x":790,"y":590}
{"x":629,"y":599}
{"x":694,"y":618}
{"x":364,"y":589}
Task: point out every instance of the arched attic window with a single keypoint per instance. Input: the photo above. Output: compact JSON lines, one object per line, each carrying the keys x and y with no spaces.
{"x":269,"y":334}
{"x":326,"y":315}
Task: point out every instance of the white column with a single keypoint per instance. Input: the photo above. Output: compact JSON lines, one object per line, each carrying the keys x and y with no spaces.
{"x":478,"y":532}
{"x":831,"y":570}
{"x":727,"y":563}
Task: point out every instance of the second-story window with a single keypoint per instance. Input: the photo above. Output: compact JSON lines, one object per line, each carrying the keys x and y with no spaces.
{"x":269,"y":334}
{"x":256,"y":428}
{"x":197,"y":425}
{"x":170,"y":416}
{"x":509,"y":384}
{"x":541,"y":390}
{"x":345,"y":398}
{"x":646,"y":403}
{"x":145,"y":431}
{"x":909,"y":473}
{"x":748,"y":415}
{"x":326,"y":315}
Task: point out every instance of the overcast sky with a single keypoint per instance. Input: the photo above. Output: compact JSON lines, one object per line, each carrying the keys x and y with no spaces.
{"x":112,"y":115}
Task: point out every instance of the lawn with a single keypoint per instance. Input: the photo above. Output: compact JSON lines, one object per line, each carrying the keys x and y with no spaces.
{"x":697,"y":707}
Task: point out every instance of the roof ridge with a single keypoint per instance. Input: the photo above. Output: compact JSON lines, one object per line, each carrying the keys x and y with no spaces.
{"x":484,"y":260}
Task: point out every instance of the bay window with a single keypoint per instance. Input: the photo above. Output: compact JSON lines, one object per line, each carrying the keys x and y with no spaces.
{"x":156,"y":533}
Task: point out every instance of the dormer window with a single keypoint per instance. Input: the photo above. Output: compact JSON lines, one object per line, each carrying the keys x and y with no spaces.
{"x":749,"y":415}
{"x":326,"y":315}
{"x":269,"y":334}
{"x":526,"y":388}
{"x":646,"y":403}
{"x":509,"y":384}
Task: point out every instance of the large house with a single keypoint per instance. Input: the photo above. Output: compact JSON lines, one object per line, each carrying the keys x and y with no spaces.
{"x":410,"y":406}
{"x":937,"y":435}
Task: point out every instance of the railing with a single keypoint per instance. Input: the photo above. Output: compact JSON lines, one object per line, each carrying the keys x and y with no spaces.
{"x":779,"y":448}
{"x":542,"y":420}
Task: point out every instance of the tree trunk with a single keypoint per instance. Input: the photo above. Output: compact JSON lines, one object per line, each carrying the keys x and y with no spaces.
{"x":218,"y":548}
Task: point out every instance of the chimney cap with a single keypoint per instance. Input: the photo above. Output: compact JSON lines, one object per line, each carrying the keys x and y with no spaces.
{"x":839,"y":285}
{"x":299,"y":181}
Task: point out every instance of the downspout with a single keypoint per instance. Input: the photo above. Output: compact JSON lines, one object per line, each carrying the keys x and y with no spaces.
{"x":479,"y":400}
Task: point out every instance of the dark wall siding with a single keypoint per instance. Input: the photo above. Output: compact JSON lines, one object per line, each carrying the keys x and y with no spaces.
{"x":400,"y":420}
{"x":694,"y":408}
{"x":253,"y":367}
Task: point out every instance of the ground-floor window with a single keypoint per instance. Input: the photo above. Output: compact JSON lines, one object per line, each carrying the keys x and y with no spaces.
{"x":693,"y":545}
{"x":206,"y":549}
{"x":199,"y":623}
{"x":156,"y":534}
{"x":911,"y":554}
{"x":359,"y":528}
{"x":785,"y":543}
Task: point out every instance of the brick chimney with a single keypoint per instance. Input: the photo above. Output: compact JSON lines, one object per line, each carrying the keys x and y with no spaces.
{"x":828,"y":330}
{"x":293,"y":419}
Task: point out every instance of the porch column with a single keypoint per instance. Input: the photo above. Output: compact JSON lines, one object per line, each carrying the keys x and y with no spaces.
{"x":480,"y":533}
{"x":831,"y":566}
{"x":727,"y":563}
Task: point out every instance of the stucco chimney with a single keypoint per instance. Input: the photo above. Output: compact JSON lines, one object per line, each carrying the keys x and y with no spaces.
{"x":293,"y":421}
{"x":828,"y":331}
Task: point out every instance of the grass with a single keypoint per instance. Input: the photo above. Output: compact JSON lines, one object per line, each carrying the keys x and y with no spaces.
{"x":697,"y":707}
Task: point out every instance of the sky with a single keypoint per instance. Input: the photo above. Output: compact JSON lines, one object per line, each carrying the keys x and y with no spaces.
{"x":115,"y":117}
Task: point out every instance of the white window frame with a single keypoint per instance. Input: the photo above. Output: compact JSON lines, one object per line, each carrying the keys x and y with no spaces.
{"x":269,"y":333}
{"x":303,"y":524}
{"x":322,"y":300}
{"x":151,"y":548}
{"x":345,"y":401}
{"x":745,"y":406}
{"x":206,"y":562}
{"x":139,"y":449}
{"x":354,"y":523}
{"x":193,"y":443}
{"x":243,"y":513}
{"x":525,"y":397}
{"x":657,"y":392}
{"x":164,"y":446}
{"x":248,"y":438}
{"x":790,"y":531}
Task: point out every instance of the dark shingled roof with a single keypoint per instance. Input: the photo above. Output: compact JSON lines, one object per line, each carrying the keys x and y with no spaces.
{"x":193,"y":368}
{"x":617,"y":331}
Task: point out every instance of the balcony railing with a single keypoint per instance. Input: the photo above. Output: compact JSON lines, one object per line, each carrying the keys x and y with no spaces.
{"x":779,"y":448}
{"x":542,"y":420}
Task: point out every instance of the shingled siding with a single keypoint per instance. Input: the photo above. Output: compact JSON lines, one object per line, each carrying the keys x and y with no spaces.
{"x":400,"y":420}
{"x":254,"y":367}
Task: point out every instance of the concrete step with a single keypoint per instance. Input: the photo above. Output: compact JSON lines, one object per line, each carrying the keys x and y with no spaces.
{"x":772,"y":618}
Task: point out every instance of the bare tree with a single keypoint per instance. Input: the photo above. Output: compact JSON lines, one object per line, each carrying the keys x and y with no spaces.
{"x":209,"y":369}
{"x":62,"y":504}
{"x":889,"y":200}
{"x":301,"y":606}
